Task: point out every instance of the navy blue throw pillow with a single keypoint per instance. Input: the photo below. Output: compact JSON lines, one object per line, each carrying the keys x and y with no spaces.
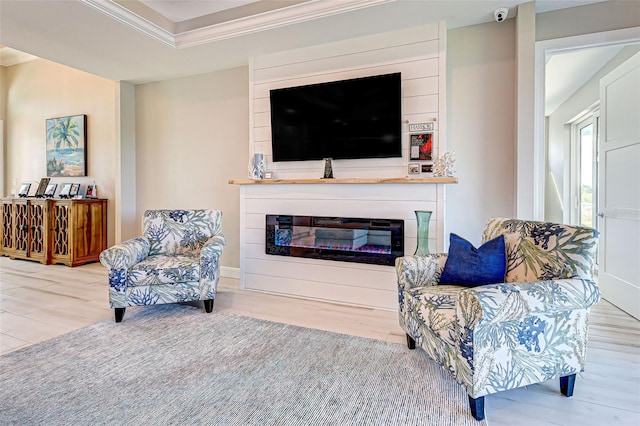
{"x":470,"y":266}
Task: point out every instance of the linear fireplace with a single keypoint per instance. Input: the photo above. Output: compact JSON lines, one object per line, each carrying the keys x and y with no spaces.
{"x":362,"y":240}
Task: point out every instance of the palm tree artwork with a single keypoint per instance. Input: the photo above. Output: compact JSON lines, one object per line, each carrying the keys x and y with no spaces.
{"x":66,"y":146}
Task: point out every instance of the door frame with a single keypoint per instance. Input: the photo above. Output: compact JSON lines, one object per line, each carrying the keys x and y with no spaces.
{"x":543,"y":51}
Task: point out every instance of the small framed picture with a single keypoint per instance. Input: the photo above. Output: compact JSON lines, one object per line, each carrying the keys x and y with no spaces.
{"x":42,"y":187}
{"x":268,"y":174}
{"x":421,"y":146}
{"x":24,"y":189}
{"x":91,"y":191}
{"x":427,"y":168}
{"x":73,"y":191}
{"x":66,"y":189}
{"x":414,"y":168}
{"x":51,"y":190}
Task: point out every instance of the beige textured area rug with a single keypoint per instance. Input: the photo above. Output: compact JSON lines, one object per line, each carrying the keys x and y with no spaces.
{"x":174,"y":364}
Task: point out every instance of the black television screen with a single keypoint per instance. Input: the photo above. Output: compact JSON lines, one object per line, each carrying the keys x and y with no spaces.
{"x":347,"y":119}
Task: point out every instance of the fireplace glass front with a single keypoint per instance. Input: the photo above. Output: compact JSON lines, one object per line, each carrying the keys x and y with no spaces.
{"x":362,"y":240}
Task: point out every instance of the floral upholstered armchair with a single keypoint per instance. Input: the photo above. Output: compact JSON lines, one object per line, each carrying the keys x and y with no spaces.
{"x":177,"y":259}
{"x":530,"y":328}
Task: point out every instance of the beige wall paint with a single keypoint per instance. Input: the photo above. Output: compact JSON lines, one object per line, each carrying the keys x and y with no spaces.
{"x":588,"y":19}
{"x":480,"y":125}
{"x":41,"y":89}
{"x":192,"y":137}
{"x":3,"y":107}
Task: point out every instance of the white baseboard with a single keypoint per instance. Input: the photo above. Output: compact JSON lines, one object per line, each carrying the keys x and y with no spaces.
{"x":229,"y":272}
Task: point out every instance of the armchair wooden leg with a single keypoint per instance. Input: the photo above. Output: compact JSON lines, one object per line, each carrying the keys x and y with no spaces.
{"x":477,"y":407}
{"x":208,"y":305}
{"x":411,"y":343}
{"x":119,"y":314}
{"x":566,"y":384}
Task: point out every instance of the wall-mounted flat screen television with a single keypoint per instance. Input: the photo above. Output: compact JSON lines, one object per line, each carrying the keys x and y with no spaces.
{"x":347,"y":119}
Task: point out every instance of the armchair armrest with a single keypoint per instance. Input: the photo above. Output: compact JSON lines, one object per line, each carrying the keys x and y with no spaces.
{"x":420,"y":271}
{"x":126,"y":254}
{"x":213,"y":247}
{"x":210,"y":265}
{"x":496,"y":303}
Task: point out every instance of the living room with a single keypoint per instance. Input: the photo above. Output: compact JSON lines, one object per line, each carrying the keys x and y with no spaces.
{"x":175,"y":141}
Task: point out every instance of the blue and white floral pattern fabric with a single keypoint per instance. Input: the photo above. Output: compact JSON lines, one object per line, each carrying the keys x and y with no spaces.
{"x":176,"y":260}
{"x":503,"y":336}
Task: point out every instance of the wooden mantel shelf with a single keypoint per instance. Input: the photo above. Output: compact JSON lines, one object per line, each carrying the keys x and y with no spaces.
{"x":343,"y":180}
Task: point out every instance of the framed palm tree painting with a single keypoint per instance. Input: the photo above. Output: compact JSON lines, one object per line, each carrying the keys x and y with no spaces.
{"x":67,"y":146}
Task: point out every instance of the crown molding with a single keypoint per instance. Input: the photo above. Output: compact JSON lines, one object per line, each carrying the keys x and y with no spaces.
{"x":252,"y":24}
{"x":127,"y":17}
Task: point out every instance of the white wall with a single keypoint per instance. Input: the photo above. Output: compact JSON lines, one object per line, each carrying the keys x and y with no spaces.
{"x":480,"y":125}
{"x":191,"y":138}
{"x":414,"y":52}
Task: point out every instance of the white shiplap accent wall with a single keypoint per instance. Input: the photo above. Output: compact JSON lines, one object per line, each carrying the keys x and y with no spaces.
{"x":419,"y":54}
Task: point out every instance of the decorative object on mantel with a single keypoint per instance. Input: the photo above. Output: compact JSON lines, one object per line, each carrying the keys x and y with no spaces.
{"x":421,"y":127}
{"x":328,"y":168}
{"x":257,"y":166}
{"x":444,"y":165}
{"x":422,"y":244}
{"x":421,"y":146}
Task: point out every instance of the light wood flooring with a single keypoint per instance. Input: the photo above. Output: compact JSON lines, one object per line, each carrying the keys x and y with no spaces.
{"x":39,"y":302}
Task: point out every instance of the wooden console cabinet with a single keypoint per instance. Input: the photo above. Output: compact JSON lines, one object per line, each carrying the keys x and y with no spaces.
{"x":71,"y":232}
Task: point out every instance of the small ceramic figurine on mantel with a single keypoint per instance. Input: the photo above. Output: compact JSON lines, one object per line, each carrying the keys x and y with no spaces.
{"x":443,"y":166}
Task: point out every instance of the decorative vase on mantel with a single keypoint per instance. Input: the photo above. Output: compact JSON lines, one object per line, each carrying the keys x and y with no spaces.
{"x":422,"y":244}
{"x":257,"y":166}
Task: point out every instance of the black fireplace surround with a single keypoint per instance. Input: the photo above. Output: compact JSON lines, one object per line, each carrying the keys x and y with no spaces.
{"x":361,"y":240}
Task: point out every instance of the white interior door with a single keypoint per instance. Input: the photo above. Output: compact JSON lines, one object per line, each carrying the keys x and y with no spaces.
{"x":619,"y":186}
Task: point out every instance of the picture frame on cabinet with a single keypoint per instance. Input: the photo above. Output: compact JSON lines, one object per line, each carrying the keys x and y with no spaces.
{"x":42,"y":187}
{"x":24,"y":189}
{"x":51,"y":190}
{"x":65,"y":190}
{"x":92,"y":191}
{"x":74,"y":190}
